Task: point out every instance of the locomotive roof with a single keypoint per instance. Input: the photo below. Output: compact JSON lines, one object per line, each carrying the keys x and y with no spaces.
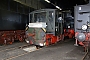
{"x":42,"y":10}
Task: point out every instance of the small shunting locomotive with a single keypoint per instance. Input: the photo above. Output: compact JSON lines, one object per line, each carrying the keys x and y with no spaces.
{"x":46,"y":27}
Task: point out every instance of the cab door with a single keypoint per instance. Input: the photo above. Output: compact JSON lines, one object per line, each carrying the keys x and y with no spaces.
{"x":58,"y":24}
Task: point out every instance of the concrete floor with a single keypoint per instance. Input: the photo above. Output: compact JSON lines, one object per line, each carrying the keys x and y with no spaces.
{"x":59,"y":51}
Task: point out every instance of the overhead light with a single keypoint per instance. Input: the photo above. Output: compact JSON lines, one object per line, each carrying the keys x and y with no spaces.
{"x":58,"y":7}
{"x":47,"y":1}
{"x":53,"y":4}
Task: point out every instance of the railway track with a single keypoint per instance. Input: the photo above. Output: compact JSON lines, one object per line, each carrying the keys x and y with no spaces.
{"x":21,"y":47}
{"x":15,"y":47}
{"x":87,"y":55}
{"x":12,"y":57}
{"x":19,"y":55}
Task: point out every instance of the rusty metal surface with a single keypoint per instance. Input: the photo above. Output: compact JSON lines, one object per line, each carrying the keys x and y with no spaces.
{"x":8,"y":37}
{"x":35,"y":36}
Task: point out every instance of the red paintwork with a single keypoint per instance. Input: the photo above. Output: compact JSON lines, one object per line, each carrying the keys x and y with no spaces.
{"x":54,"y":39}
{"x":48,"y":39}
{"x":70,"y":33}
{"x":8,"y":37}
{"x":51,"y":39}
{"x":76,"y":33}
{"x":86,"y":42}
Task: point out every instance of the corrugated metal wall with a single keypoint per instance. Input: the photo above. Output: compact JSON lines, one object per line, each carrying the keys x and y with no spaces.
{"x":13,"y":15}
{"x":15,"y":6}
{"x":12,"y":21}
{"x":36,"y":4}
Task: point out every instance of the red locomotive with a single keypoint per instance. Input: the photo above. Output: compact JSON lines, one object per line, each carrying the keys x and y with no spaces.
{"x":68,"y":24}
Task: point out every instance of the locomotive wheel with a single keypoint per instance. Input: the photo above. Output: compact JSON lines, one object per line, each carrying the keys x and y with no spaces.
{"x":66,"y":37}
{"x":37,"y":46}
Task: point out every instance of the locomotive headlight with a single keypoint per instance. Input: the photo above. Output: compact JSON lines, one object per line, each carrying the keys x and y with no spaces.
{"x":81,"y":37}
{"x":84,"y":27}
{"x":41,"y":44}
{"x":68,"y":26}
